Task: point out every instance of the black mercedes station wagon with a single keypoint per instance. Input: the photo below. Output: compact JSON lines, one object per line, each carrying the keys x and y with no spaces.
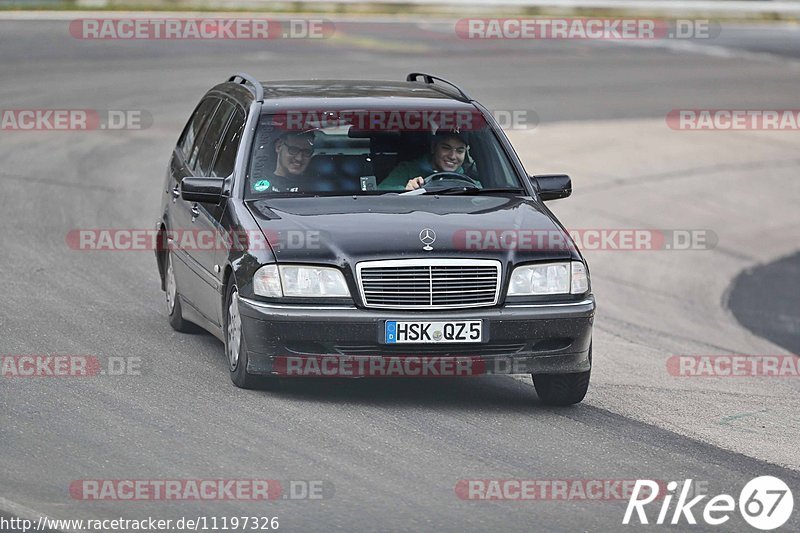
{"x":335,"y":228}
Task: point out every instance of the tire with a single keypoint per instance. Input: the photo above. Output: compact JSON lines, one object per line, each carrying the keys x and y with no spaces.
{"x":235,"y":347}
{"x":174,"y":311}
{"x":562,"y":389}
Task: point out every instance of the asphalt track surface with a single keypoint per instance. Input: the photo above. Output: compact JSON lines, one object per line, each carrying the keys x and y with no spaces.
{"x":393,"y":451}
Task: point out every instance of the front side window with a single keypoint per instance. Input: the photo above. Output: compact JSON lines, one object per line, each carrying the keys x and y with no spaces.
{"x":341,"y":153}
{"x":226,"y":155}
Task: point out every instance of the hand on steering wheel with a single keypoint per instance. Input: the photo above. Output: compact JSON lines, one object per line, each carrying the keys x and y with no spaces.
{"x":441,"y":176}
{"x":419,"y":181}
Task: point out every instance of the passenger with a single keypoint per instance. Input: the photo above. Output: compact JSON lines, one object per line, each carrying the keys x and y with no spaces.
{"x":294,"y":152}
{"x":448,"y":150}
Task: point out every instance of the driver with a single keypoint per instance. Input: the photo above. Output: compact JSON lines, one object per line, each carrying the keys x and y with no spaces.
{"x":448,"y":150}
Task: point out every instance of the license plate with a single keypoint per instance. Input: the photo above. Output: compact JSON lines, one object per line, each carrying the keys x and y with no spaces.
{"x":405,"y":332}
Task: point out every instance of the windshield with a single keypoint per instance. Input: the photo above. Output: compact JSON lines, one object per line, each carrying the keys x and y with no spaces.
{"x":375,"y":152}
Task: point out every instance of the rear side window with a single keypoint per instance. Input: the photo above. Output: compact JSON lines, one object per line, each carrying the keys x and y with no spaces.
{"x":203,"y":111}
{"x":226,"y":156}
{"x":211,"y":139}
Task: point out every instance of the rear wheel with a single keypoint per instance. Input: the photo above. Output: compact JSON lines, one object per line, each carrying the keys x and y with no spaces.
{"x":235,"y":347}
{"x":174,"y":311}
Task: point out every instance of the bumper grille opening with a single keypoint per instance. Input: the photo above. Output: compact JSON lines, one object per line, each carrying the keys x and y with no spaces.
{"x":410,"y":350}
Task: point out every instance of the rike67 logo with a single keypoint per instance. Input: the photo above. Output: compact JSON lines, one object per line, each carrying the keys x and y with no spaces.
{"x":765,"y":503}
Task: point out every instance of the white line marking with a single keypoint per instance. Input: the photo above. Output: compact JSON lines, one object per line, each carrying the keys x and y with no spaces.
{"x":712,"y":50}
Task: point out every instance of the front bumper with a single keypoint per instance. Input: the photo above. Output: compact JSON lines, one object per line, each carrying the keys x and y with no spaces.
{"x":538,"y":339}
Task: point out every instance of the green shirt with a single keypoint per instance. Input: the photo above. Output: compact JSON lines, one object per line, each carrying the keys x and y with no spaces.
{"x":397,"y":178}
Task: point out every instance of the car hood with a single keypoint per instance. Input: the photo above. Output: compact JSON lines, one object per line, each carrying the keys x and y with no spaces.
{"x":345,"y":230}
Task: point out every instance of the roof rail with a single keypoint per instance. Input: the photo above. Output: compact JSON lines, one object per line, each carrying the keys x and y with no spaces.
{"x":429,"y":79}
{"x":258,"y":89}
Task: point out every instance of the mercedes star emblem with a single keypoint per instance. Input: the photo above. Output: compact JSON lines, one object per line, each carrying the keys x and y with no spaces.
{"x":427,"y":236}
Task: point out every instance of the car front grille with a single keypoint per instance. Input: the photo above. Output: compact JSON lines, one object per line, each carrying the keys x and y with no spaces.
{"x":429,"y":283}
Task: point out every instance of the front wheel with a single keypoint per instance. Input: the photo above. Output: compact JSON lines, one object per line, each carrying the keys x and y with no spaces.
{"x":561,"y":389}
{"x":235,"y":347}
{"x":174,"y":310}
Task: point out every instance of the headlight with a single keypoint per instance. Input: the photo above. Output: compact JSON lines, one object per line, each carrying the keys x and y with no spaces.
{"x":549,"y":278}
{"x":299,"y":281}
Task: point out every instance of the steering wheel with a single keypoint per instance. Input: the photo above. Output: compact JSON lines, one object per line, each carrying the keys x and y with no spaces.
{"x":448,"y":176}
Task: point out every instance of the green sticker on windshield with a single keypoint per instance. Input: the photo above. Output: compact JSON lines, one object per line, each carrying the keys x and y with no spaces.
{"x":261,"y":185}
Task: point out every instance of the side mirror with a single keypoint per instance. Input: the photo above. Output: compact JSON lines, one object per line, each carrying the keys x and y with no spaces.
{"x":204,"y":190}
{"x":552,"y":186}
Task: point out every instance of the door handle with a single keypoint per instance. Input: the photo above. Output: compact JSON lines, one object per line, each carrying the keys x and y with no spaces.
{"x":195,"y":212}
{"x":176,"y":193}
